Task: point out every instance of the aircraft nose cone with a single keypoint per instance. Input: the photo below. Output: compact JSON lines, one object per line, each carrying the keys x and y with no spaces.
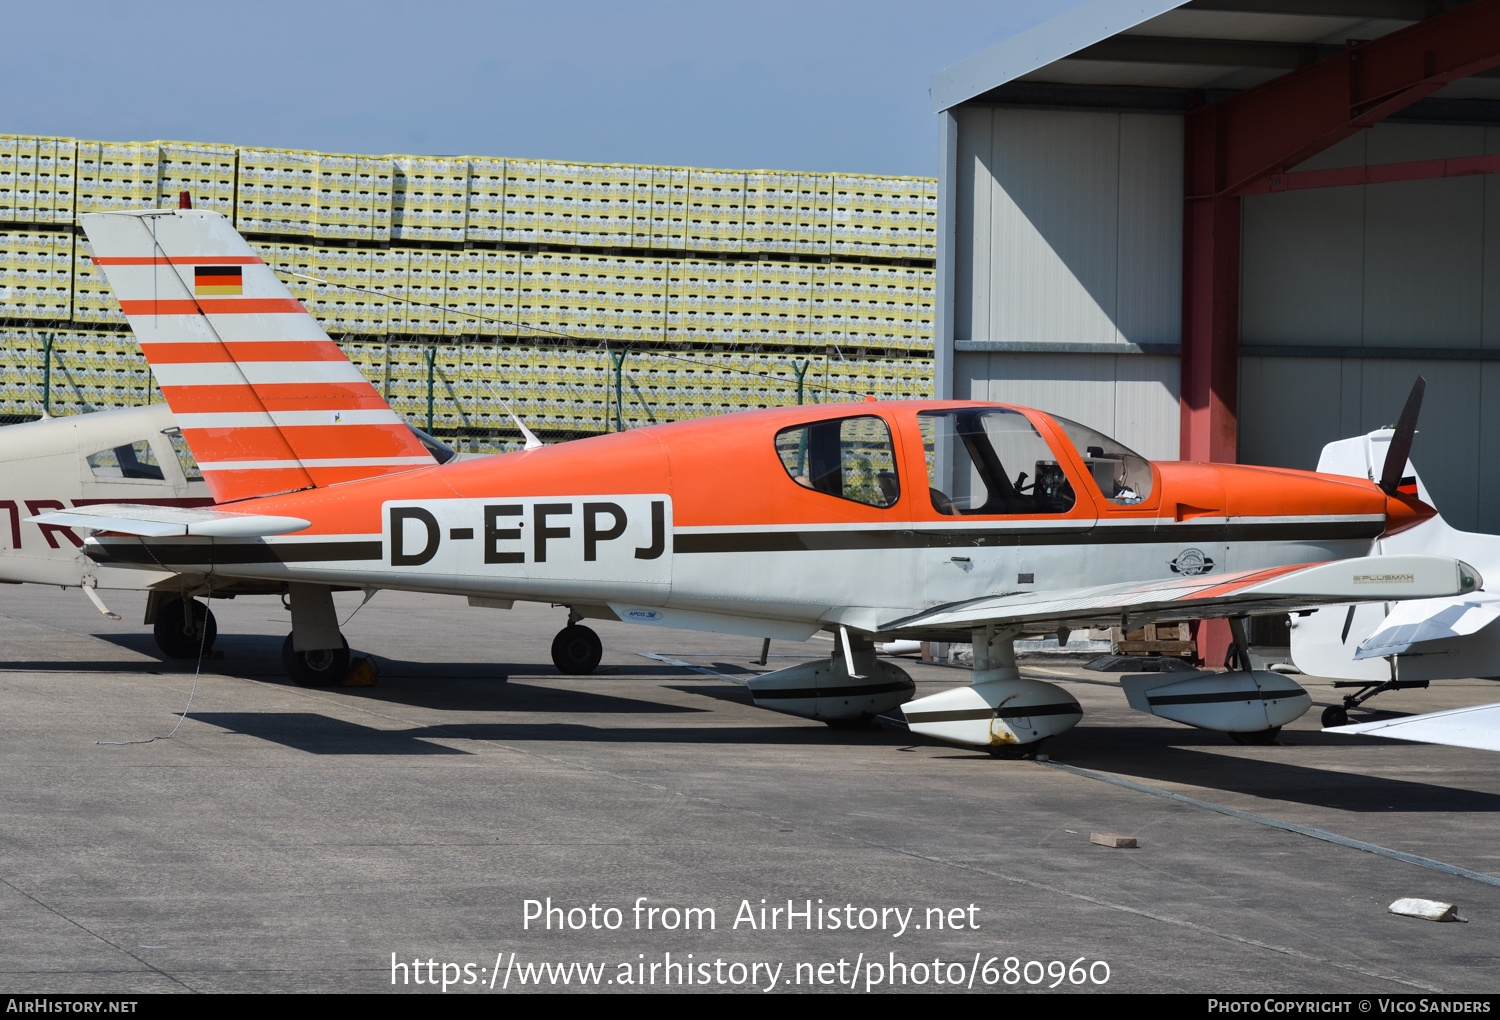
{"x":1403,"y":511}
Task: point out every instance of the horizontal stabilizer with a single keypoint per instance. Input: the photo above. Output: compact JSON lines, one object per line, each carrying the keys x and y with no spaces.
{"x":1247,"y":592}
{"x":170,"y":521}
{"x":1477,"y":727}
{"x":1416,"y":623}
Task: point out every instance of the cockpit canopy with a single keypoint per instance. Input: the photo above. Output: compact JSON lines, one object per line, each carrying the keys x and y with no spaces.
{"x":980,"y":460}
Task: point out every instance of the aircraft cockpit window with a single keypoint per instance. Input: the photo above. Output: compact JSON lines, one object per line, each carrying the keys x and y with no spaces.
{"x":851,"y":458}
{"x":134,"y":460}
{"x":991,"y":461}
{"x":185,"y":458}
{"x":1123,"y":475}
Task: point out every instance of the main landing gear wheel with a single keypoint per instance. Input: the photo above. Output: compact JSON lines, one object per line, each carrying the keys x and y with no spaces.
{"x":1335,"y":715}
{"x":321,"y":668}
{"x":180,"y":636}
{"x":576,"y":650}
{"x":1257,"y":738}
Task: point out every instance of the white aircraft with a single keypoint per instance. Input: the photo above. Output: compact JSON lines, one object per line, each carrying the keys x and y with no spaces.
{"x":917,"y":520}
{"x":1375,"y":647}
{"x":134,"y":455}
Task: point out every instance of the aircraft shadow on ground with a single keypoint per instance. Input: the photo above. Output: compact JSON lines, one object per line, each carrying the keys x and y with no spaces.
{"x":1155,"y":755}
{"x":719,"y":692}
{"x":257,"y":655}
{"x":320,"y":734}
{"x":462,"y":694}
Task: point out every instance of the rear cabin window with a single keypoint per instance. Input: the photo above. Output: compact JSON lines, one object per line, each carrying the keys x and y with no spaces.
{"x":991,"y":461}
{"x":851,"y":458}
{"x":185,"y":458}
{"x":132,"y":461}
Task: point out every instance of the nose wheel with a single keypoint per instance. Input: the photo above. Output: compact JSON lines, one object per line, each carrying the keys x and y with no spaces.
{"x":182,"y":632}
{"x":576,"y":650}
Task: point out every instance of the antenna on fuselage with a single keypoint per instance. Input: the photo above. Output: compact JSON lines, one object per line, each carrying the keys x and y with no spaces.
{"x":1400,"y":447}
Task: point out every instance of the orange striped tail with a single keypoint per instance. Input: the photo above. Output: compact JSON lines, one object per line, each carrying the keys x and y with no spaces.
{"x":266,"y":402}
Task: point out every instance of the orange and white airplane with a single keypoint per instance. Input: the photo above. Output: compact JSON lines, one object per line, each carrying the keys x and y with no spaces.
{"x":928,"y":520}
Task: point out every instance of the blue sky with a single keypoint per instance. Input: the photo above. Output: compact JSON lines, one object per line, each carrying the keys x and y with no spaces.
{"x":815,"y":85}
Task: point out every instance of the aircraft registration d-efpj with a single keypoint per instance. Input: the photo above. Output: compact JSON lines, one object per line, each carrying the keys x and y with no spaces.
{"x":929,"y":520}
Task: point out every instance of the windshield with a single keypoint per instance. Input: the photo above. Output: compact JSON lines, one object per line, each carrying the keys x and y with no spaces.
{"x":1123,"y":475}
{"x":991,"y":461}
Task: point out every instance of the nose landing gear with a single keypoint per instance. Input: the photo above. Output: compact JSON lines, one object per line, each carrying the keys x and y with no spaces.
{"x":320,"y":667}
{"x":182,"y":632}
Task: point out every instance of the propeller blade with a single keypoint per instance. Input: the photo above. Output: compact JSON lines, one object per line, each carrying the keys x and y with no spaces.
{"x":1400,"y":448}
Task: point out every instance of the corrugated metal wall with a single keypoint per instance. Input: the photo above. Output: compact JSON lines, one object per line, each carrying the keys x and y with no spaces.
{"x":1132,"y":397}
{"x":1383,"y":271}
{"x":1069,"y":227}
{"x":1290,"y":407}
{"x":1068,"y":235}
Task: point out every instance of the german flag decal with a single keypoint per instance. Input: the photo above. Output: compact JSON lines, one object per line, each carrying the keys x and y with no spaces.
{"x":216,"y":281}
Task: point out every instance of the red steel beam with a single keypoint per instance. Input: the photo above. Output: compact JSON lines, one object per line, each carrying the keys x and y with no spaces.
{"x":1380,"y":173}
{"x":1291,"y":118}
{"x":1234,"y":146}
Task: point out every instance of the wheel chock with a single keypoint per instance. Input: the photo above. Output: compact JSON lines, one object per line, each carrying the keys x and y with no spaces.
{"x":362,"y":673}
{"x":1111,"y":840}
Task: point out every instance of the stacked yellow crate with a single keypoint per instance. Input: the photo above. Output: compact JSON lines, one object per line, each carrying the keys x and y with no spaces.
{"x":465,"y":292}
{"x":688,"y":289}
{"x":429,"y":198}
{"x":277,"y":192}
{"x":929,"y":218}
{"x":522,"y":190}
{"x":294,"y":265}
{"x":37,"y":179}
{"x":337,"y":298}
{"x":665,"y":226}
{"x":771,"y":212}
{"x":716,"y":210}
{"x":387,"y":297}
{"x":36,"y":270}
{"x":12,"y":176}
{"x":486,"y":200}
{"x":116,"y":175}
{"x":20,"y":370}
{"x":427,"y":294}
{"x":350,"y":190}
{"x":560,"y":206}
{"x":206,"y":172}
{"x":613,"y":200}
{"x":93,"y":300}
{"x":814,"y":214}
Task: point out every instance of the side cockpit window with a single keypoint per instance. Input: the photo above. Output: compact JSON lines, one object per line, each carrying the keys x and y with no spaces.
{"x":990,"y":460}
{"x":134,"y":460}
{"x":851,"y":458}
{"x":1123,"y":475}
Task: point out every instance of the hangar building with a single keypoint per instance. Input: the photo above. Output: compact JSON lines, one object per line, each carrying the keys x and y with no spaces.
{"x":1234,"y":230}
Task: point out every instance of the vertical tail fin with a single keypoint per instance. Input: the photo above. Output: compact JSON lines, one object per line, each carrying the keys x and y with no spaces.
{"x":266,"y":402}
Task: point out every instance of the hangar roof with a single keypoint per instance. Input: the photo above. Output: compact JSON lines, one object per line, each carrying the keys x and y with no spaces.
{"x":1157,"y":55}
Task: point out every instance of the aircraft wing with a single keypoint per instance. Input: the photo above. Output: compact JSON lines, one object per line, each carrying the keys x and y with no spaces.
{"x":1413,"y":624}
{"x":170,"y":521}
{"x":1277,"y":590}
{"x":1477,"y":727}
